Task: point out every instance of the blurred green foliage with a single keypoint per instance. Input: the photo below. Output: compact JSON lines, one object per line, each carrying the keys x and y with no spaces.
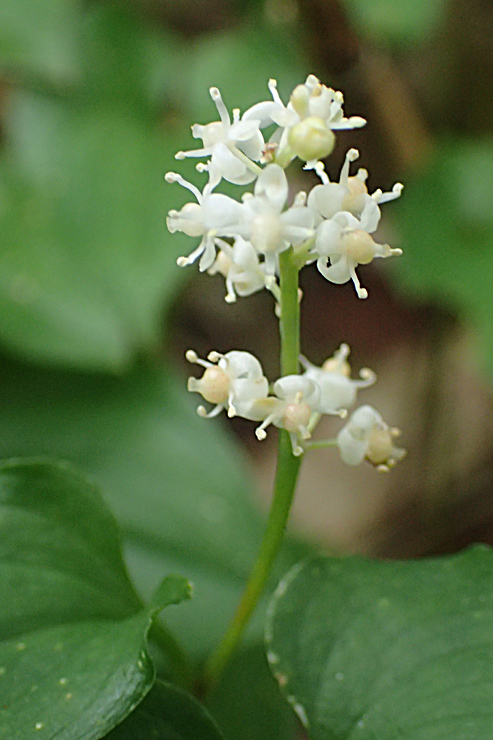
{"x":84,"y":268}
{"x":399,"y":23}
{"x":39,"y":39}
{"x":446,"y":220}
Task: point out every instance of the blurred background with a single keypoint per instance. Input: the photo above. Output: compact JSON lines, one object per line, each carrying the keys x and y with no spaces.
{"x":95,"y":317}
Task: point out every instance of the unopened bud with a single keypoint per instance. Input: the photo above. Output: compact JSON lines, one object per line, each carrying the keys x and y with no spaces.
{"x":380,"y":446}
{"x":213,"y":385}
{"x":311,"y":139}
{"x":296,"y":416}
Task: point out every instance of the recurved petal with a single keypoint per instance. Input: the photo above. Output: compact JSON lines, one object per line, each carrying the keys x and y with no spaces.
{"x":273,"y":184}
{"x":338,"y":272}
{"x":352,"y":450}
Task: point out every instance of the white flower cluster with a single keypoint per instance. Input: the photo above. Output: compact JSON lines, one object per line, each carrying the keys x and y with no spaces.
{"x":331,"y":226}
{"x":241,"y":240}
{"x":235,"y":382}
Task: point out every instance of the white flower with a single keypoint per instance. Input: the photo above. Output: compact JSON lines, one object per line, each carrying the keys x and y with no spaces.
{"x":263,"y":223}
{"x":345,"y":241}
{"x":231,"y":145}
{"x":211,"y":216}
{"x":337,"y":390}
{"x":291,"y":409}
{"x":349,"y":194}
{"x":366,"y":435}
{"x":237,"y":378}
{"x":306,"y":124}
{"x":240,"y":265}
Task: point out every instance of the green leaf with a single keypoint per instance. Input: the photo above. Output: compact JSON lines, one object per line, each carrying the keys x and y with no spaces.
{"x":405,"y":22}
{"x":248,"y":704}
{"x":176,"y":483}
{"x":446,"y":221}
{"x":73,"y":657}
{"x":167,"y":713}
{"x":367,"y":649}
{"x":39,"y":37}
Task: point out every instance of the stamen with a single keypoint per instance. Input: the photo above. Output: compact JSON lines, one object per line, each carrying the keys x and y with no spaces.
{"x":175,"y":177}
{"x":221,"y":108}
{"x":361,"y":292}
{"x":351,"y":156}
{"x":320,"y":171}
{"x":357,"y":121}
{"x":272,"y":85}
{"x":193,"y":357}
{"x":368,"y":377}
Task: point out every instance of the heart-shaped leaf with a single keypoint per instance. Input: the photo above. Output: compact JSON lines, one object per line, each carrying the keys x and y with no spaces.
{"x":167,"y":713}
{"x":73,"y":657}
{"x":368,"y":649}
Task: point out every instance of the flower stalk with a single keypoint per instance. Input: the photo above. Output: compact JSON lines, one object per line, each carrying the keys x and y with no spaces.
{"x":284,"y":487}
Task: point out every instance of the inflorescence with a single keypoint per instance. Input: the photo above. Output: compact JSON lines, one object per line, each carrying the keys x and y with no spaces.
{"x":331,"y":226}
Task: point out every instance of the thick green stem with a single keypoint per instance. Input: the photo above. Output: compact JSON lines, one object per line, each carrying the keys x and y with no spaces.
{"x":284,"y":487}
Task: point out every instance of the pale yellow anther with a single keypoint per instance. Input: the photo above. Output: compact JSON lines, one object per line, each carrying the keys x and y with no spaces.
{"x":359,"y":245}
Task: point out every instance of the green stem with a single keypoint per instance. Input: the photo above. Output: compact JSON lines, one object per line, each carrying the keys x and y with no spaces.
{"x":180,"y":667}
{"x":284,"y":487}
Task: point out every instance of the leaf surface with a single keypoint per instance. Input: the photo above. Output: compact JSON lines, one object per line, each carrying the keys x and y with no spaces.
{"x":73,"y":655}
{"x":366,"y":649}
{"x":167,"y":713}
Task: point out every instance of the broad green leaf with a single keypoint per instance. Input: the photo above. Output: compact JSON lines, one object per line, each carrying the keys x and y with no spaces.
{"x":176,"y":483}
{"x":248,"y":704}
{"x":366,"y":649}
{"x":167,"y":713}
{"x":403,"y":22}
{"x":39,"y":38}
{"x":73,"y":656}
{"x":446,"y":221}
